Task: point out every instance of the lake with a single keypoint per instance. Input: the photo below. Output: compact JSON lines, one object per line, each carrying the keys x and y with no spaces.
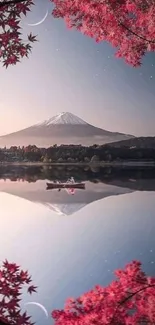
{"x":69,"y":243}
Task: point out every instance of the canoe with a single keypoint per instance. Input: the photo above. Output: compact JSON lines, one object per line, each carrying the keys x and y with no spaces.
{"x":65,"y":185}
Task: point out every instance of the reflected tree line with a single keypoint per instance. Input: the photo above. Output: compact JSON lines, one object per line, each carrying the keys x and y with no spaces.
{"x":62,"y":173}
{"x":34,"y":173}
{"x":80,"y":174}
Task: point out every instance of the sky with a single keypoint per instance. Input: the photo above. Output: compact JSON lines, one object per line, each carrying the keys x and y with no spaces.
{"x":68,"y":71}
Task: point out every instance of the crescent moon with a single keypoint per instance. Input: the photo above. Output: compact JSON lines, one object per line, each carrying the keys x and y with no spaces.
{"x":41,"y":21}
{"x":39,"y":305}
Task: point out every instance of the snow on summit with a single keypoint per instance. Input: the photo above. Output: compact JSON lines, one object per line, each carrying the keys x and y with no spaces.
{"x":64,"y":128}
{"x":65,"y":118}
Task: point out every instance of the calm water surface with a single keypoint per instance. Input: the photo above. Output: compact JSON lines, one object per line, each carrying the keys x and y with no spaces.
{"x":69,"y":243}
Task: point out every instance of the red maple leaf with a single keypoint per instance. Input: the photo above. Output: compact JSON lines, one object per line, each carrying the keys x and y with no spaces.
{"x":32,"y":38}
{"x":31,"y":289}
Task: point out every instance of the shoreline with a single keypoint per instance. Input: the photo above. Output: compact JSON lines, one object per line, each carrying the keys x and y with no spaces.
{"x":94,"y":164}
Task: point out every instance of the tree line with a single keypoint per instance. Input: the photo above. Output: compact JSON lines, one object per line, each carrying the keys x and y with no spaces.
{"x":75,"y":154}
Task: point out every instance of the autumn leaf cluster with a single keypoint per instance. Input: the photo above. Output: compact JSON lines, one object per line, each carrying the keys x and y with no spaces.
{"x":128,"y":300}
{"x":12,"y":46}
{"x":129,"y":26}
{"x":12,"y":282}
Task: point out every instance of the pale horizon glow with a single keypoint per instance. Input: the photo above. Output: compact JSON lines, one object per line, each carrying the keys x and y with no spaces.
{"x":67,"y":71}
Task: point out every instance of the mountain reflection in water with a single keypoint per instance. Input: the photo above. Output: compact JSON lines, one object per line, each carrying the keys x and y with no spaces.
{"x":65,"y":255}
{"x":30,"y":183}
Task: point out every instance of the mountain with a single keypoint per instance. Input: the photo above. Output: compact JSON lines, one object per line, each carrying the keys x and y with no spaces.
{"x":136,"y":142}
{"x":64,"y":128}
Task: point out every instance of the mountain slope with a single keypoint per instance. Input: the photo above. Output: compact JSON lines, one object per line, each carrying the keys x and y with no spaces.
{"x":64,"y":128}
{"x":137,"y":142}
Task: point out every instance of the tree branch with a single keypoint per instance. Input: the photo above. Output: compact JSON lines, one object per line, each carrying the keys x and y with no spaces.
{"x":129,"y":30}
{"x":132,"y":32}
{"x":10,"y":2}
{"x":128,"y":298}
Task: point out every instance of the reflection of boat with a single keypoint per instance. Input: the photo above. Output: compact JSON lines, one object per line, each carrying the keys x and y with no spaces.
{"x":51,"y":186}
{"x":70,"y":191}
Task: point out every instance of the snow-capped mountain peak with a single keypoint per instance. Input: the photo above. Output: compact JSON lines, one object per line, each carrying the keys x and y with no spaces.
{"x":64,"y":118}
{"x":62,"y":129}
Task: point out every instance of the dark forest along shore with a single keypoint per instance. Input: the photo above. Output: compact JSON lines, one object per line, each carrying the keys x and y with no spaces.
{"x":98,"y":155}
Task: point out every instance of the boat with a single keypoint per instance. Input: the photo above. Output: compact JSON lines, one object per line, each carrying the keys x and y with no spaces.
{"x":51,"y":186}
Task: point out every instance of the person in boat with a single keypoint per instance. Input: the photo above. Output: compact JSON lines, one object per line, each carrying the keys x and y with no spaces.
{"x":71,"y":180}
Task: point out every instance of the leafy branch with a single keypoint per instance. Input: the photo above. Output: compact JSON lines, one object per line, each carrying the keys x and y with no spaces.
{"x":10,"y":2}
